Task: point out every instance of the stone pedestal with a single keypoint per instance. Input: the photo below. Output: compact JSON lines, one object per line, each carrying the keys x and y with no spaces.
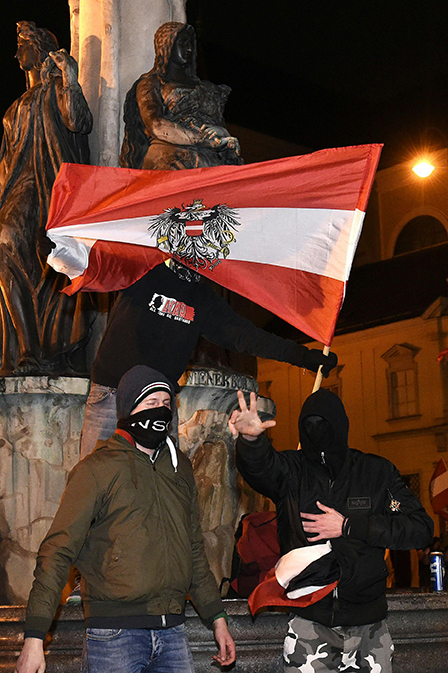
{"x":40,"y":423}
{"x":207,"y":399}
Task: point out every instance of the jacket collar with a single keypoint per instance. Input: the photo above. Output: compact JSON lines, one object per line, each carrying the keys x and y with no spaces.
{"x":169,"y":443}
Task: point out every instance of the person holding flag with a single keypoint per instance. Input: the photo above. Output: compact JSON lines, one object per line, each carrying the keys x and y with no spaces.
{"x":281,"y":233}
{"x":157,"y":322}
{"x":338,"y":509}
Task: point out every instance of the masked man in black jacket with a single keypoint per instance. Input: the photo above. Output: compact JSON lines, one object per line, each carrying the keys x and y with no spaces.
{"x":357,"y":501}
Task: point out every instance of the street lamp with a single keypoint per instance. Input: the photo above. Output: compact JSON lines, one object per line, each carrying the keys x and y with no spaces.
{"x":435,"y":148}
{"x":423,"y":169}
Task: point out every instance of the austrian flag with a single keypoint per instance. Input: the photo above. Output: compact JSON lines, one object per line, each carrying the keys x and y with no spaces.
{"x":282,"y":233}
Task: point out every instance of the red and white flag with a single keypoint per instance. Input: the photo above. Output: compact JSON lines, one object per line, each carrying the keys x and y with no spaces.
{"x":438,"y":489}
{"x":300,"y":578}
{"x":282,"y":233}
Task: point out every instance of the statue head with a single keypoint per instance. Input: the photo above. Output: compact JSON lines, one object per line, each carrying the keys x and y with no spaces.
{"x":175,"y":41}
{"x":33,"y":45}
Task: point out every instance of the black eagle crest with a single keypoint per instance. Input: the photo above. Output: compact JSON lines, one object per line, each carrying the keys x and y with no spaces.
{"x":194,"y":234}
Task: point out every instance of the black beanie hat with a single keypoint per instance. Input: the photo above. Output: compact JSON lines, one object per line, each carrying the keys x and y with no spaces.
{"x":138,"y":383}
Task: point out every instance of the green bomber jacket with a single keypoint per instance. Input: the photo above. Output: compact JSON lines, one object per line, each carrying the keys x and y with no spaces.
{"x":132,"y":529}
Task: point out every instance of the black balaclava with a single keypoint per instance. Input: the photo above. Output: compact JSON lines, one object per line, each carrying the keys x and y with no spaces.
{"x":149,"y":427}
{"x":323,"y":429}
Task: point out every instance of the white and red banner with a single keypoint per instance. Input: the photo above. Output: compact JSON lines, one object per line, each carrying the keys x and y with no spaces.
{"x":282,"y":233}
{"x":438,"y":489}
{"x":300,"y":578}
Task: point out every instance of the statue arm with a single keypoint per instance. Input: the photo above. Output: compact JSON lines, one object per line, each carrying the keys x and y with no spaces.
{"x":71,"y":102}
{"x":156,"y":126}
{"x":219,"y":137}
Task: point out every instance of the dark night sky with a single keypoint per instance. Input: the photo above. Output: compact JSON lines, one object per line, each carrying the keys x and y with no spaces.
{"x":318,"y":73}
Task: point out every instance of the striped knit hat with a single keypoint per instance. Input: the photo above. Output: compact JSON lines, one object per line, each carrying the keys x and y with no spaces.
{"x":138,"y":383}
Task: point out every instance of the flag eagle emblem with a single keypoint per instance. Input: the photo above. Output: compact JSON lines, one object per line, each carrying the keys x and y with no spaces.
{"x":195,"y":234}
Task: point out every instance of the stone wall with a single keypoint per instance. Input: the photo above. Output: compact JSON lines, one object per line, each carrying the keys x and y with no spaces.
{"x":40,"y":423}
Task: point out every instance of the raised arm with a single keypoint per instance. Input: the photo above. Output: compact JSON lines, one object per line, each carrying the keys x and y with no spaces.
{"x":226,"y":328}
{"x":246,"y":421}
{"x":72,"y":105}
{"x":264,"y":469}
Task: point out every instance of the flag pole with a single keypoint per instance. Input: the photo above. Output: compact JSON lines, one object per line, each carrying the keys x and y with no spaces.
{"x":318,"y":379}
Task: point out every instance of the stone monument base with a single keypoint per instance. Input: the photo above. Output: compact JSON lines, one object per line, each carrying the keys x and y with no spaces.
{"x":40,"y":423}
{"x":206,"y":401}
{"x":417,"y":622}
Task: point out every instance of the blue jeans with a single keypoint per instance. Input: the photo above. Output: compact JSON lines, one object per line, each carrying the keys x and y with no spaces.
{"x":137,"y":651}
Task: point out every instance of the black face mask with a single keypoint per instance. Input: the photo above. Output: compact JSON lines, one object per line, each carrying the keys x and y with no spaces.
{"x":148,"y":427}
{"x":319,"y":432}
{"x":322,"y":444}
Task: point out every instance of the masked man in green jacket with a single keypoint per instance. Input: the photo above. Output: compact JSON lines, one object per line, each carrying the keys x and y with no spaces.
{"x":129,"y":520}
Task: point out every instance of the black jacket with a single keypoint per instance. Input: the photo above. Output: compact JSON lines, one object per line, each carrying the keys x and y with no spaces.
{"x":382,"y":512}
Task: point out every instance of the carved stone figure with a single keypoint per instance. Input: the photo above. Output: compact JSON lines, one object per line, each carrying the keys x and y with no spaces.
{"x":174,"y":120}
{"x":46,"y":126}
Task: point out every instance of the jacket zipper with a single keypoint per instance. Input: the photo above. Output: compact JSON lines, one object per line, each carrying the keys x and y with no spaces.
{"x":163,"y":617}
{"x":335,"y":604}
{"x":160,"y":510}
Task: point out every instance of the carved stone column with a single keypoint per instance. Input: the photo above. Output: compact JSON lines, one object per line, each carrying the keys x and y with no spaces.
{"x":112,"y":40}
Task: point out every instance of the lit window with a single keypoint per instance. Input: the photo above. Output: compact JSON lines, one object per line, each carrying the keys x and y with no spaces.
{"x":404,"y":398}
{"x":402,"y":380}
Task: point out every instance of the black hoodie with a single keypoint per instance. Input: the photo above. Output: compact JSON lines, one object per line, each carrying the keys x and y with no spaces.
{"x":327,"y":445}
{"x":363,"y":487}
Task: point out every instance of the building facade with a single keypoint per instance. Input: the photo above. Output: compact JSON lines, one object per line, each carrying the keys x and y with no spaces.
{"x":392,"y":327}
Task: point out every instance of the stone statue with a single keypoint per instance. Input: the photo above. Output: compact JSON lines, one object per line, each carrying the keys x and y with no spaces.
{"x":174,"y":120}
{"x":46,"y":126}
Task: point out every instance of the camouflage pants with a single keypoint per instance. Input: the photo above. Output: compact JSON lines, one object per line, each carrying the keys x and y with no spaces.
{"x":313,"y":648}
